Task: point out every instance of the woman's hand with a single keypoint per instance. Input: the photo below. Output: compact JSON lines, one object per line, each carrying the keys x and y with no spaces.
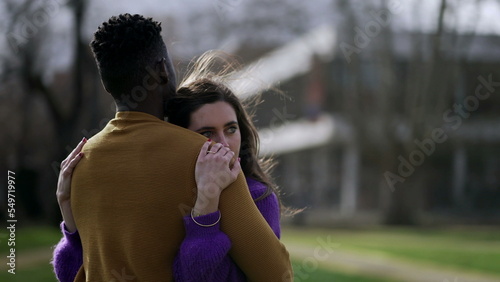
{"x":63,"y":192}
{"x":213,"y":174}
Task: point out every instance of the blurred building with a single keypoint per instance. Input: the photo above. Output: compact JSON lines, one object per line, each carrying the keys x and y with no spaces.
{"x":338,"y":173}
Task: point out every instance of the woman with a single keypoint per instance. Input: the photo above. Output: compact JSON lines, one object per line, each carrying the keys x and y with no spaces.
{"x":205,"y":105}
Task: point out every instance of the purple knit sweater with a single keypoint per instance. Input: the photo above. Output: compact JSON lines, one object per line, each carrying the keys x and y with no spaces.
{"x":203,"y":255}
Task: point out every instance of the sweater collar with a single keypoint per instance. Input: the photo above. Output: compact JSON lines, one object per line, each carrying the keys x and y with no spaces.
{"x":136,"y":116}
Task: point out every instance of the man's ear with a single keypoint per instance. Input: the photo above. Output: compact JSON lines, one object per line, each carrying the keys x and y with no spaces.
{"x":162,"y":71}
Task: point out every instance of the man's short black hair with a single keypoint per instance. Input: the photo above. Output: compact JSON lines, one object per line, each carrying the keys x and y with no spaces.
{"x":124,"y":47}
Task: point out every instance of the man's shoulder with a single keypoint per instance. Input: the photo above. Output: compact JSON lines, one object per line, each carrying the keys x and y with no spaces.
{"x":154,"y":135}
{"x":177,"y":134}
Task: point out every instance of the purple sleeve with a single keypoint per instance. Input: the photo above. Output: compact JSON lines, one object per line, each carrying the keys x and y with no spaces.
{"x":68,"y":255}
{"x":203,"y":255}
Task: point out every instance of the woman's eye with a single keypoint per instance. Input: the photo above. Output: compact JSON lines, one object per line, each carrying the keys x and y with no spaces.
{"x":206,"y":134}
{"x":232,"y":129}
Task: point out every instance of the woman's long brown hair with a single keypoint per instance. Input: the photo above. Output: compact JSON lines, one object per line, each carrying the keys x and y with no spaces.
{"x":206,"y":83}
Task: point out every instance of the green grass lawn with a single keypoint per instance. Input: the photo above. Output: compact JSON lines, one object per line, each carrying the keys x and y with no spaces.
{"x":31,"y":238}
{"x":467,"y":249}
{"x":43,"y":273}
{"x":322,"y":275}
{"x":37,"y":238}
{"x":38,"y":273}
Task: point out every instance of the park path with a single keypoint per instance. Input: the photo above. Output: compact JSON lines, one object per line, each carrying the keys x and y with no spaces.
{"x":309,"y":259}
{"x":27,"y":259}
{"x":384,"y":267}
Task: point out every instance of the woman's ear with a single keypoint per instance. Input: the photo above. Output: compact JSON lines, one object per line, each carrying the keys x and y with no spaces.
{"x":163,"y":71}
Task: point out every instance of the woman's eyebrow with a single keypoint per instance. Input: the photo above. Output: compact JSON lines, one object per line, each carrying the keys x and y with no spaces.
{"x":212,"y":127}
{"x":231,"y":123}
{"x":205,"y":128}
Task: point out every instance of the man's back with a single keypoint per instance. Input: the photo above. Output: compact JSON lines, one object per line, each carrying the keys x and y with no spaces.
{"x":129,"y":194}
{"x":136,"y":179}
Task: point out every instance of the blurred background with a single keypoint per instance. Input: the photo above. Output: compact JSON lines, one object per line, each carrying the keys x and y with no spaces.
{"x":388,"y":133}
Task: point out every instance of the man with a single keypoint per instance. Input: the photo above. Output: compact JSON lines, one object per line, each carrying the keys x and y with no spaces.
{"x":135,"y":181}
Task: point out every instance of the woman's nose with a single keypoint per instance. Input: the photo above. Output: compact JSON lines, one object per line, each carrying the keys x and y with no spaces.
{"x":223,"y":140}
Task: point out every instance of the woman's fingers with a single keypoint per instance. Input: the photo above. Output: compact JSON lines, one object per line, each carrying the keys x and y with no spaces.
{"x":236,"y":168}
{"x":215,"y":148}
{"x":218,"y":153}
{"x":79,"y":147}
{"x":75,"y":151}
{"x":229,"y":153}
{"x":226,"y":155}
{"x":75,"y":161}
{"x":67,"y":170}
{"x":220,"y":150}
{"x":204,"y":149}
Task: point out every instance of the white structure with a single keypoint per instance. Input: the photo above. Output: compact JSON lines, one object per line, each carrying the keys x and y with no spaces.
{"x":283,"y":64}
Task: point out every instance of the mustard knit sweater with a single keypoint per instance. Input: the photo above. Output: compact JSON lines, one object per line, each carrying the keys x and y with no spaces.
{"x":130,"y":192}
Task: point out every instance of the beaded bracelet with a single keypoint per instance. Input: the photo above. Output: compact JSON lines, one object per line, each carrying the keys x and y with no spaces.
{"x":204,"y":225}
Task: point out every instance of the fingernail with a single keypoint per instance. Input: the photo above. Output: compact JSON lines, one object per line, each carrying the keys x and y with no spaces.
{"x":84,"y":139}
{"x":80,"y":154}
{"x":239,"y":159}
{"x":209,"y":140}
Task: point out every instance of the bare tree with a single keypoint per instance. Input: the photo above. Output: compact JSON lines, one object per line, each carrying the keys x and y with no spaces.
{"x":408,"y":101}
{"x":26,"y":32}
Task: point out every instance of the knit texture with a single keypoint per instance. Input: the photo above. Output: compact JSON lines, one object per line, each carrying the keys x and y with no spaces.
{"x":203,"y":255}
{"x":131,"y":192}
{"x":68,"y":255}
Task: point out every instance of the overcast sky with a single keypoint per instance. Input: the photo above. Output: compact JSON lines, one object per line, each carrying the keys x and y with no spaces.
{"x":194,"y":26}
